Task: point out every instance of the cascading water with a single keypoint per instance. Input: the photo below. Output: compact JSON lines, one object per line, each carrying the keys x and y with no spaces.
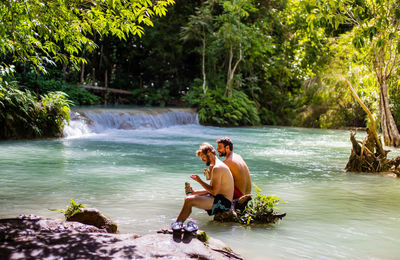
{"x":88,"y":121}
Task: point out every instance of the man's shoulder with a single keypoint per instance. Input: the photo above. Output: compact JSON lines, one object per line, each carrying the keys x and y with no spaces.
{"x":221,"y":166}
{"x":236,"y":156}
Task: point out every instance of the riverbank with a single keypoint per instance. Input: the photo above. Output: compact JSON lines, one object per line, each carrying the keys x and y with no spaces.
{"x":32,"y":237}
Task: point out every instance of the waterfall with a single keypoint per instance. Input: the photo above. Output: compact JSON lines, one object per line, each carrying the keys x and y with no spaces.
{"x":89,"y":121}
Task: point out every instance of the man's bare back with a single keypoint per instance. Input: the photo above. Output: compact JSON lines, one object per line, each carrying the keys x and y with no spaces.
{"x":240,"y":172}
{"x":220,"y":174}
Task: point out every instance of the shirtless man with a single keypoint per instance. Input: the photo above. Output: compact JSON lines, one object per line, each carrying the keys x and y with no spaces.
{"x":238,"y":167}
{"x":216,"y":196}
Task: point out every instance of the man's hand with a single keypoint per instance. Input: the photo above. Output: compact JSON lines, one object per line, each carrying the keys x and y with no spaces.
{"x":195,"y":177}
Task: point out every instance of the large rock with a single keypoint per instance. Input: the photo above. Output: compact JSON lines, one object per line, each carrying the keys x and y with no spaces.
{"x":30,"y":237}
{"x":94,"y":217}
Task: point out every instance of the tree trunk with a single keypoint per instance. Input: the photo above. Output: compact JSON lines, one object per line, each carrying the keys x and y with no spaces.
{"x":372,"y":127}
{"x":106,"y":86}
{"x":231,"y":71}
{"x":64,"y":70}
{"x":229,"y":77}
{"x":37,"y":84}
{"x":203,"y":67}
{"x":390,"y":131}
{"x":82,"y":73}
{"x":94,"y":75}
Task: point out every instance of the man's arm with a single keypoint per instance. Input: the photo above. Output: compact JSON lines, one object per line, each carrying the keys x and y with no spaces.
{"x":215,"y":182}
{"x":199,"y":192}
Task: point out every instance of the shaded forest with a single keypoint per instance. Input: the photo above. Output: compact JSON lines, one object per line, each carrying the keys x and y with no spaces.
{"x":240,"y":62}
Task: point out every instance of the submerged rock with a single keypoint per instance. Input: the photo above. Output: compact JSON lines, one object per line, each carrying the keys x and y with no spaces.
{"x":30,"y":237}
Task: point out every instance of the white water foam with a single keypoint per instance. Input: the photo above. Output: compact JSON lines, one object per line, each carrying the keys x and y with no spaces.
{"x":94,"y":121}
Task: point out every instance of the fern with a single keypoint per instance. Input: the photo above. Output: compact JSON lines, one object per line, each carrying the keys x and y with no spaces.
{"x":71,"y":210}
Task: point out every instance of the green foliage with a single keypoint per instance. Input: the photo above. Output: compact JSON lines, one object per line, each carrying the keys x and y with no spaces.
{"x":152,"y":96}
{"x":216,"y":109}
{"x":71,"y":210}
{"x":52,"y":82}
{"x":23,"y":115}
{"x":259,"y":209}
{"x":44,"y":32}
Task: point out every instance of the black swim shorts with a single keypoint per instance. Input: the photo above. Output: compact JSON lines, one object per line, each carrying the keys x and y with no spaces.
{"x":220,"y":204}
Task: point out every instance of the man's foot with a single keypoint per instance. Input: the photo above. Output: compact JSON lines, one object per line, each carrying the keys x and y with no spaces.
{"x":191,"y":227}
{"x":241,"y":203}
{"x":244,"y":199}
{"x":177,"y":226}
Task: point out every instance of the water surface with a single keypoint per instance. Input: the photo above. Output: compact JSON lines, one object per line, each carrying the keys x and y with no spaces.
{"x":137,"y":178}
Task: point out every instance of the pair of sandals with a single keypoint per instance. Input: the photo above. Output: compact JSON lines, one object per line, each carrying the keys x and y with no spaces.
{"x":189,"y":228}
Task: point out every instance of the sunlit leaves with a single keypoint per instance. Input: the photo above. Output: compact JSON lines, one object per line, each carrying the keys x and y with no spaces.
{"x":34,"y":29}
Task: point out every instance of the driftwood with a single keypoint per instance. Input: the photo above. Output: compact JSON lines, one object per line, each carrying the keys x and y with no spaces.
{"x":369,"y":155}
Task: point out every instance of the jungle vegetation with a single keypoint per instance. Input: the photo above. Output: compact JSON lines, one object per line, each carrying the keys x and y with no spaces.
{"x":238,"y":62}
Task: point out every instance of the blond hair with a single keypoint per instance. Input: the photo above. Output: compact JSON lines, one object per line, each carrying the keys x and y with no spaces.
{"x":204,"y":148}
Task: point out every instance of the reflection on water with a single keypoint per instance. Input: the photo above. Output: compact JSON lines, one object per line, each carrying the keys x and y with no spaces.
{"x":137,"y":178}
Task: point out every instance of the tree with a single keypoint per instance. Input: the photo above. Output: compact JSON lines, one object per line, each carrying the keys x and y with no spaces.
{"x":45,"y":32}
{"x":375,"y":35}
{"x":198,"y":27}
{"x":233,"y":34}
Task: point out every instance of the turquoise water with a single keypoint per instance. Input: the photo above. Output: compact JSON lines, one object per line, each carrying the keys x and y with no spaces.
{"x":137,"y":178}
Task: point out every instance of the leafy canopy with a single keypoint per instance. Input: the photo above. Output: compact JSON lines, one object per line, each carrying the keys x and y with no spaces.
{"x":44,"y":32}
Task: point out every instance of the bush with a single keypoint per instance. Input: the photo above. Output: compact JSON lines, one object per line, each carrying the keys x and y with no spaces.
{"x":260,"y":209}
{"x":22,"y":115}
{"x":216,"y":109}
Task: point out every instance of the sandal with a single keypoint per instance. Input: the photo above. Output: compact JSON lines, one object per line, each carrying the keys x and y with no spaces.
{"x":177,"y":226}
{"x":191,"y":227}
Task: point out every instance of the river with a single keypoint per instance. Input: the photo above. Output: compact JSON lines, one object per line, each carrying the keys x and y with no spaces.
{"x":132,"y":165}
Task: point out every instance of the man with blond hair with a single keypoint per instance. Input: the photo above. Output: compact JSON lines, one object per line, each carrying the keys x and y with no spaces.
{"x":217,"y":195}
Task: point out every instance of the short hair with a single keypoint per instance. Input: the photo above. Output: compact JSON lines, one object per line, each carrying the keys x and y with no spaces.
{"x":204,"y":148}
{"x":226,"y":141}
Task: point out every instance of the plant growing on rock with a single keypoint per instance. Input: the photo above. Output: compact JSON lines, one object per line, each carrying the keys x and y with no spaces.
{"x":260,"y":209}
{"x":71,"y":210}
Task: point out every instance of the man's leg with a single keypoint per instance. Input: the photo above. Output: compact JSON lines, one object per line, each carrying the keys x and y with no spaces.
{"x":201,"y":202}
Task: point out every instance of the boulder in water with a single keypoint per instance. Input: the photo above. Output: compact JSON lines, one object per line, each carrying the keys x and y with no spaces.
{"x":94,"y":217}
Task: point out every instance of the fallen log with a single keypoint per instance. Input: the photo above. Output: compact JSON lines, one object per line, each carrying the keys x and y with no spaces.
{"x":112,"y":90}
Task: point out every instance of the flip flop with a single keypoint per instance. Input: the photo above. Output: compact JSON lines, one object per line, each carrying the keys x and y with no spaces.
{"x":177,"y":226}
{"x":191,"y":227}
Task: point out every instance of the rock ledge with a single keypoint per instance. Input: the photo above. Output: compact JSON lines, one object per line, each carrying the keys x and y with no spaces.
{"x":32,"y":237}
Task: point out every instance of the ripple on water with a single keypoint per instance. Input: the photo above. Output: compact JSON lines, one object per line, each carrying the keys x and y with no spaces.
{"x":137,"y":178}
